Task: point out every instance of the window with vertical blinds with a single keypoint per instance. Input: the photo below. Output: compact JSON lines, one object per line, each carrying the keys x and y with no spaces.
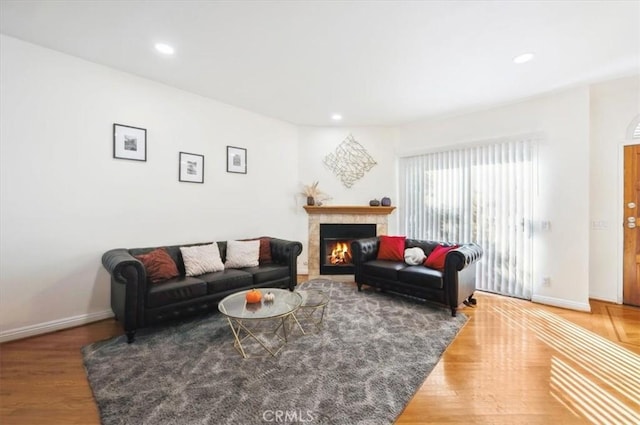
{"x":480,"y":194}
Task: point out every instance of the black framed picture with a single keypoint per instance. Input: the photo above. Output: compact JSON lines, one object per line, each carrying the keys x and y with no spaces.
{"x":129,"y":142}
{"x":236,"y":160}
{"x":191,"y":168}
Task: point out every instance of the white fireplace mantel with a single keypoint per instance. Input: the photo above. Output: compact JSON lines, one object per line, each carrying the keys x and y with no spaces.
{"x":345,"y":214}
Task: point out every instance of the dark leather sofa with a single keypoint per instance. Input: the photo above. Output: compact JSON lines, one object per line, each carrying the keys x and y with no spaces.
{"x":452,"y":286}
{"x":137,"y":303}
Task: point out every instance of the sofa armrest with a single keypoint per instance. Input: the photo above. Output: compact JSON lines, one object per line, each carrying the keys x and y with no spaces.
{"x":287,"y":252}
{"x":363,"y":250}
{"x":128,"y":287}
{"x":283,"y":251}
{"x":463,"y":256}
{"x":460,"y":274}
{"x":116,"y":260}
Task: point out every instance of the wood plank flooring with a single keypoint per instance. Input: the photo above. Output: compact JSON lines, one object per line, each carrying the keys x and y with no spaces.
{"x":517,"y":362}
{"x":514,"y":362}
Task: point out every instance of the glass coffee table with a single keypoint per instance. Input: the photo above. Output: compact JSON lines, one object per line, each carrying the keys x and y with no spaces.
{"x":245,"y":319}
{"x":314,"y":303}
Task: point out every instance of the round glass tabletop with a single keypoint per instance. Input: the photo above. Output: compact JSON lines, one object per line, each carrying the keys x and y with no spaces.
{"x":313,"y":298}
{"x":285,"y":302}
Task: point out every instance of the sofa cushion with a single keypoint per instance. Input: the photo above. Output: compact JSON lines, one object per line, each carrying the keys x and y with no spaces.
{"x":421,"y":276}
{"x":175,"y":290}
{"x":227,"y":280}
{"x":268,"y":273}
{"x":383,"y":269}
{"x":391,"y":248}
{"x":242,"y":254}
{"x":264,"y":256}
{"x":159,"y":265}
{"x":201,"y":259}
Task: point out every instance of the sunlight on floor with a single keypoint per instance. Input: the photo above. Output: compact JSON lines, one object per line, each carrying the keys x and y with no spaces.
{"x":593,"y":377}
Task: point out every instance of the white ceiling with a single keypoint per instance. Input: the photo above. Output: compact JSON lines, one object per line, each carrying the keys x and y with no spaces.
{"x":374,"y":62}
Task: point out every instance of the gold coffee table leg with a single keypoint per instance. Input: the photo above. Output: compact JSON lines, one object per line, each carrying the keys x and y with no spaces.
{"x":236,"y":344}
{"x":314,"y":302}
{"x":283,"y":325}
{"x":238,"y":339}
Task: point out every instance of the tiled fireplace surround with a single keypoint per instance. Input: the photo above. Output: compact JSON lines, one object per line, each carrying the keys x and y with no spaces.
{"x":340,"y":215}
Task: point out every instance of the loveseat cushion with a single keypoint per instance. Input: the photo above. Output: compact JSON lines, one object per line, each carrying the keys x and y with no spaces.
{"x":421,"y":276}
{"x":268,"y":273}
{"x":383,"y":268}
{"x":175,"y":290}
{"x":227,"y":280}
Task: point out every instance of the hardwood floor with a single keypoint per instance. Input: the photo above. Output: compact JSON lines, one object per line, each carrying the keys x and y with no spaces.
{"x":516,"y":362}
{"x":513,"y":362}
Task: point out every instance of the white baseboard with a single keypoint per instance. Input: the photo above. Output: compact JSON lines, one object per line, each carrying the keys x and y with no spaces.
{"x":54,"y":325}
{"x":557,"y":302}
{"x":607,"y":300}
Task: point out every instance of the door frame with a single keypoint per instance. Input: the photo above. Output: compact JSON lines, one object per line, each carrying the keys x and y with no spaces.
{"x":620,"y":216}
{"x":629,"y":141}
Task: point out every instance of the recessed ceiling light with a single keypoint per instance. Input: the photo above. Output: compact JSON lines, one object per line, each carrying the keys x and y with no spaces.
{"x":165,"y":49}
{"x":526,"y":57}
{"x":336,"y":117}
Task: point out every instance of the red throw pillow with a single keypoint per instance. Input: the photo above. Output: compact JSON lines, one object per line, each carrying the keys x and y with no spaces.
{"x":435,"y":260}
{"x":391,"y":248}
{"x":159,"y":265}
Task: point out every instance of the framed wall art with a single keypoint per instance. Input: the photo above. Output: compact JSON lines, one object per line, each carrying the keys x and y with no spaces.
{"x":191,"y":168}
{"x":129,"y":142}
{"x":236,"y":160}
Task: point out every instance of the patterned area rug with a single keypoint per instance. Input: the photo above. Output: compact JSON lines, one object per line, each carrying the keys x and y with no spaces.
{"x":362,"y":366}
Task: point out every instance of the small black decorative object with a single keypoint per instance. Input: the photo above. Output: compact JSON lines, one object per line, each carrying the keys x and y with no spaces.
{"x":385,"y":202}
{"x":374,"y":203}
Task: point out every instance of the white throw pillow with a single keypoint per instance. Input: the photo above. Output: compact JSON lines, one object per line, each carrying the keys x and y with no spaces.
{"x":201,"y":259}
{"x":242,"y":254}
{"x":414,"y":256}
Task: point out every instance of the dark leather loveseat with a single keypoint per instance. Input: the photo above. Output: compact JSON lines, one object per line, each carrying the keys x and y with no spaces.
{"x":452,"y":286}
{"x":138,"y":303}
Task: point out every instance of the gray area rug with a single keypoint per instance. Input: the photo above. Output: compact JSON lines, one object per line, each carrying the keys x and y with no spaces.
{"x":362,"y":366}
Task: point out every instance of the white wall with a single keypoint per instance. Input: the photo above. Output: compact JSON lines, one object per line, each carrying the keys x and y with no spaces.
{"x":563,"y":180}
{"x":65,"y":200}
{"x":614,"y":104}
{"x":318,"y":142}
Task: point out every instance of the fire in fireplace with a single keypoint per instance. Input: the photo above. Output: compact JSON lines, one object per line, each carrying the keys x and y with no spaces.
{"x":339,"y":252}
{"x":335,"y":246}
